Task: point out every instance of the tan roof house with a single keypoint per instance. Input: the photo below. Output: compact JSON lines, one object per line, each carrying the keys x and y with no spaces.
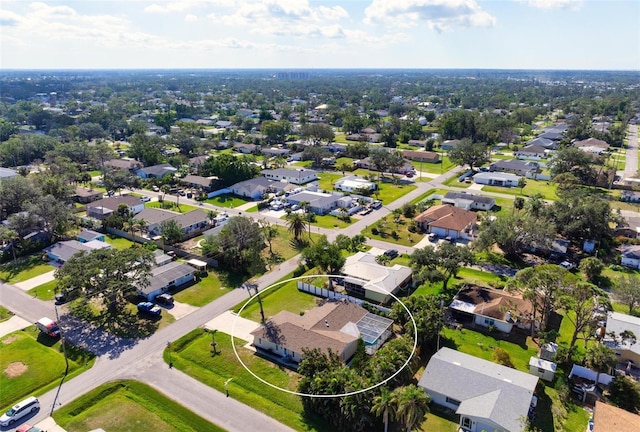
{"x":448,"y":221}
{"x":608,"y":418}
{"x":421,"y":156}
{"x":335,"y":325}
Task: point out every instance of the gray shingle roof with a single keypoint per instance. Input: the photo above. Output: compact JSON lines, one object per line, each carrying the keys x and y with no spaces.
{"x":163,"y":275}
{"x":468,"y":196}
{"x":485,"y":389}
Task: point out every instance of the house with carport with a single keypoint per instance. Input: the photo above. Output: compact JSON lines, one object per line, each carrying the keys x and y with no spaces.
{"x":448,"y":221}
{"x":366,"y":279}
{"x":484,"y":395}
{"x":355,"y":184}
{"x":320,"y":203}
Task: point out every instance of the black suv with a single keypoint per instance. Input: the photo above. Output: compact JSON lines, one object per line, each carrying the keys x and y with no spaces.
{"x":391,"y":253}
{"x":164,"y":299}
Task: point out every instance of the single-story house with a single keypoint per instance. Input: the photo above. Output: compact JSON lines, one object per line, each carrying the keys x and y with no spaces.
{"x":354,"y":184}
{"x":87,"y":235}
{"x":543,"y":369}
{"x":417,"y":143}
{"x":198,"y":182}
{"x":319,"y":203}
{"x":489,"y":307}
{"x":448,"y":221}
{"x":592,"y":145}
{"x":63,"y":250}
{"x":104,"y":207}
{"x":487,"y":396}
{"x":469,"y":201}
{"x":626,"y":349}
{"x":531,"y":151}
{"x":367,"y":279}
{"x":156,"y":171}
{"x":224,"y":124}
{"x":630,"y":196}
{"x":84,"y":195}
{"x":449,"y":144}
{"x":541,"y":142}
{"x":631,"y":256}
{"x":298,"y":176}
{"x":367,"y":163}
{"x":7,"y":173}
{"x":125,"y":164}
{"x":515,"y":166}
{"x":497,"y":179}
{"x":192,"y":221}
{"x":421,"y":156}
{"x":275,"y":151}
{"x":253,"y":188}
{"x":166,"y":277}
{"x":335,"y":325}
{"x":197,"y":161}
{"x":161,"y":258}
{"x":246,"y":148}
{"x":607,"y":418}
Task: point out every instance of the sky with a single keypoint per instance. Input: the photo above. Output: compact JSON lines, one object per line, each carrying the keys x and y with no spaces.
{"x":312,"y":34}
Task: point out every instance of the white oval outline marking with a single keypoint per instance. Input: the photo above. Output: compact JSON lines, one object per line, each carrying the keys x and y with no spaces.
{"x":250,"y":299}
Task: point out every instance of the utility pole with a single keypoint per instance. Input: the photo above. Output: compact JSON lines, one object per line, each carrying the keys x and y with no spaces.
{"x":64,"y":349}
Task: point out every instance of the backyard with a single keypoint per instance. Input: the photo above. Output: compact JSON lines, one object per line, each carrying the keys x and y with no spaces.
{"x":228,"y":200}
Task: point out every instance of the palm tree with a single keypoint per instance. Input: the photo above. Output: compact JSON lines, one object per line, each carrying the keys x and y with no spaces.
{"x":383,"y":404}
{"x":411,"y":403}
{"x":140,"y":225}
{"x":9,"y":235}
{"x":211,"y":215}
{"x":600,"y":358}
{"x":165,"y":188}
{"x":297,"y":225}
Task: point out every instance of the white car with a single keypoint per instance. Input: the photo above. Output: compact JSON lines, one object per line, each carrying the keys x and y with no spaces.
{"x":145,"y":199}
{"x":19,"y":410}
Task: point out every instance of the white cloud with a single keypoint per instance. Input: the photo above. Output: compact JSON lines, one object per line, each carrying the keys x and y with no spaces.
{"x":190,"y":18}
{"x":555,"y":4}
{"x":185,"y":5}
{"x":9,"y":19}
{"x":440,"y":15}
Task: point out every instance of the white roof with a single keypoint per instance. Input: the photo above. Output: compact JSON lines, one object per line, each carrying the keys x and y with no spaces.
{"x":463,"y":306}
{"x":619,"y":322}
{"x":542,"y":364}
{"x":380,"y":278}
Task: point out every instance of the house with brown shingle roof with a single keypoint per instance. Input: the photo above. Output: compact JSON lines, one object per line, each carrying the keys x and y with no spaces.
{"x":84,"y":195}
{"x":490,"y":307}
{"x":608,"y":418}
{"x":335,"y":325}
{"x":421,"y":156}
{"x":126,"y":164}
{"x":104,"y":207}
{"x":448,"y":221}
{"x":591,"y":143}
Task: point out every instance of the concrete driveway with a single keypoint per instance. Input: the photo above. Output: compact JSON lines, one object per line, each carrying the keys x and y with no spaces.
{"x":224,"y":323}
{"x":36,"y":281}
{"x":14,"y":323}
{"x":180,"y":310}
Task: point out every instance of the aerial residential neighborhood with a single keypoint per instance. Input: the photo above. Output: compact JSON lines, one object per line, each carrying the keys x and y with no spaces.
{"x":254,"y":248}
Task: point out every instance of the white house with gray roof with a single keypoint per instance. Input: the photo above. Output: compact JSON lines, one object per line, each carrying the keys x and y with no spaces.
{"x":166,"y":277}
{"x":631,"y":256}
{"x":487,"y":396}
{"x":319,"y":203}
{"x":367,"y":279}
{"x":469,"y":201}
{"x":629,"y":349}
{"x":497,"y":179}
{"x":298,"y":176}
{"x":63,"y":250}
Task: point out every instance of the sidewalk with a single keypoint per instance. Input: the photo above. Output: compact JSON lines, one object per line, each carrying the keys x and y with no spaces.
{"x":14,"y":323}
{"x":36,"y":281}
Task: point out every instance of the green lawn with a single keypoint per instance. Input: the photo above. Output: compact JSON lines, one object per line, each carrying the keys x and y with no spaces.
{"x":170,"y":204}
{"x":283,"y":246}
{"x":123,"y":406}
{"x":453,"y":182}
{"x":30,"y":351}
{"x":434,"y":168}
{"x":118,"y":242}
{"x":45,"y":291}
{"x":5,"y":313}
{"x":327,"y":179}
{"x":27,"y":268}
{"x":543,"y":187}
{"x":303,"y":164}
{"x":282,"y":297}
{"x":386,"y":230}
{"x":204,"y":291}
{"x":479,"y":277}
{"x":388,"y":192}
{"x":328,"y":221}
{"x":192,"y":355}
{"x":424,"y":196}
{"x":228,"y":200}
{"x":438,"y":421}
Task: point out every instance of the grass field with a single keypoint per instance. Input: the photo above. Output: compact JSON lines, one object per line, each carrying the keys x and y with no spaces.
{"x":25,"y":353}
{"x":169,"y":203}
{"x":46,"y":291}
{"x":27,"y":268}
{"x":328,"y":221}
{"x":453,"y":182}
{"x":204,"y":291}
{"x":545,"y":188}
{"x":434,"y":168}
{"x":118,"y":242}
{"x":192,"y":354}
{"x":124,"y":406}
{"x":228,"y":200}
{"x":5,"y":314}
{"x":386,"y":230}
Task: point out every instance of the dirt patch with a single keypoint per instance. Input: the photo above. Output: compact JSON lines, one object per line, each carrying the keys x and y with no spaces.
{"x":15,"y":369}
{"x":9,"y":339}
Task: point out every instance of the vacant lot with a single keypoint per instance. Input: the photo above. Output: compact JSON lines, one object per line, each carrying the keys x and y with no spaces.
{"x":125,"y":406}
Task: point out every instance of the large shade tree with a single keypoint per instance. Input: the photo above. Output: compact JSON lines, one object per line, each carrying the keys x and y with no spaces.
{"x":237,"y":246}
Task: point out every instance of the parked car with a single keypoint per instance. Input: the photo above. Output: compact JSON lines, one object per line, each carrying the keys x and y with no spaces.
{"x":376,"y":204}
{"x":164,"y":299}
{"x":19,"y":410}
{"x":568,"y":265}
{"x":432,"y":236}
{"x":155,"y":188}
{"x":145,"y":199}
{"x":391,"y":253}
{"x":110,"y":193}
{"x":450,"y":239}
{"x":182,"y":193}
{"x":48,"y":327}
{"x":189,"y":195}
{"x":149,"y":308}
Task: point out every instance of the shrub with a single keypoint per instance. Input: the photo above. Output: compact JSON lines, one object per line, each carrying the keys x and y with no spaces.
{"x":502,"y":357}
{"x":374,"y":231}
